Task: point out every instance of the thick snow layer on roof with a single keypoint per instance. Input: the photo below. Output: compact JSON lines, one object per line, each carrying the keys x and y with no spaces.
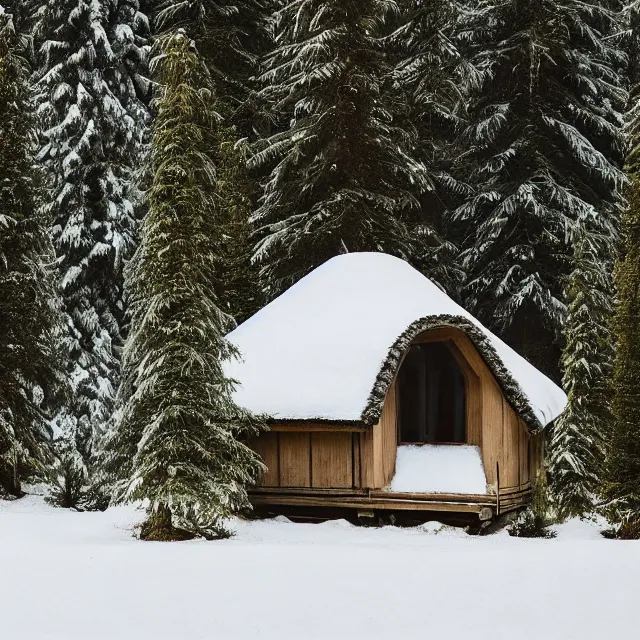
{"x":316,"y":351}
{"x":439,"y":468}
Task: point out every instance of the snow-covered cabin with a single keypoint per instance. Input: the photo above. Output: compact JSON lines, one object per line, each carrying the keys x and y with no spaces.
{"x":382,"y":393}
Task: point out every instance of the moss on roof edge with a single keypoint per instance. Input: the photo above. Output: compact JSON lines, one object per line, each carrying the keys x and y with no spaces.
{"x":510,"y":387}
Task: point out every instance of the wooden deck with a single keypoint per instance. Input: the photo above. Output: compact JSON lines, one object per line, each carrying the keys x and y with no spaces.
{"x":380,"y":500}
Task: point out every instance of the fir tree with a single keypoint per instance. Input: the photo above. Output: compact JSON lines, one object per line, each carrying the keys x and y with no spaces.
{"x":231,"y":36}
{"x":623,"y":462}
{"x":577,"y":447}
{"x":622,"y":482}
{"x":178,"y":427}
{"x":434,"y":81}
{"x":239,"y":292}
{"x":31,"y":382}
{"x":535,"y":520}
{"x":543,"y":149}
{"x":341,"y":175}
{"x":23,"y":15}
{"x":91,"y":142}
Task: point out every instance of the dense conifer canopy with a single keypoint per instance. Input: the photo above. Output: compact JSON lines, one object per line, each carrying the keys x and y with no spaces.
{"x":543,"y":148}
{"x":578,"y":444}
{"x":91,"y":142}
{"x":342,"y":177}
{"x":482,"y":141}
{"x":31,"y":383}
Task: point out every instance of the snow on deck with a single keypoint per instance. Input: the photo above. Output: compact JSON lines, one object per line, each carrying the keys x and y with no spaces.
{"x":439,"y":468}
{"x":82,"y":576}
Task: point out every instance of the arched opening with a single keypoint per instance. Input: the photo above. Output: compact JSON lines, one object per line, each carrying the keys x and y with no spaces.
{"x":432,"y":396}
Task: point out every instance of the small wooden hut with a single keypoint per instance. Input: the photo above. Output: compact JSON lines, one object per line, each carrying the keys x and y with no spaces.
{"x":382,"y":394}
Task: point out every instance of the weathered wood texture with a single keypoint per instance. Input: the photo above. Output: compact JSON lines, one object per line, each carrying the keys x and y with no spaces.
{"x":492,"y":426}
{"x":342,"y":457}
{"x":318,"y":427}
{"x":379,"y":446}
{"x":384,"y":500}
{"x":523,"y":453}
{"x":389,"y":438}
{"x":510,"y":452}
{"x":266,"y":446}
{"x":331,"y":460}
{"x":536,"y":454}
{"x":322,"y":459}
{"x":295,"y":459}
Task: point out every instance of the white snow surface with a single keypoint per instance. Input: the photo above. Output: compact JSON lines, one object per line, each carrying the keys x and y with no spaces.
{"x":83,"y":576}
{"x":439,"y":468}
{"x":315,"y":352}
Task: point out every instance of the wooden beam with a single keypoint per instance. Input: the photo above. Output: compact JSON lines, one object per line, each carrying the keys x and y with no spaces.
{"x":435,"y":497}
{"x":315,"y":491}
{"x":360,"y":503}
{"x":505,"y":495}
{"x":439,"y":334}
{"x":304,"y":427}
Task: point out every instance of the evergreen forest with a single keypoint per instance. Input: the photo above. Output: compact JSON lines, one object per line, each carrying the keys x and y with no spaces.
{"x":169,"y":167}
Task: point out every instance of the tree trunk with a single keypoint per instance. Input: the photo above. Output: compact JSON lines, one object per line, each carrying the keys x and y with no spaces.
{"x":159,"y":527}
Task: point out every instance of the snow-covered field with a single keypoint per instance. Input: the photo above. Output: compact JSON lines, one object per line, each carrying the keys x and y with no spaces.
{"x":82,"y":576}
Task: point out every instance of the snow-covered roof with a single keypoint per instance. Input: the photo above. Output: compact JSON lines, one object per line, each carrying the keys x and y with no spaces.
{"x":328,"y":348}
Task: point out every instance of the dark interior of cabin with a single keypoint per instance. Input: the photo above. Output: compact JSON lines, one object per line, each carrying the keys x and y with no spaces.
{"x":432,"y":398}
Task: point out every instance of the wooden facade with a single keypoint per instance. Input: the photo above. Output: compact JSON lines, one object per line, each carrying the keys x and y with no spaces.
{"x":324,"y":464}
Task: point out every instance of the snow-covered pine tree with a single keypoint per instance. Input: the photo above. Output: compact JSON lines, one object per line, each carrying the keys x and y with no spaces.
{"x":231,"y":36}
{"x":434,"y":81}
{"x":23,"y":16}
{"x":91,"y":144}
{"x":31,"y":381}
{"x":577,"y":448}
{"x":543,"y":148}
{"x":179,"y":434}
{"x":622,"y":486}
{"x":622,"y":479}
{"x":129,"y":34}
{"x":341,"y":175}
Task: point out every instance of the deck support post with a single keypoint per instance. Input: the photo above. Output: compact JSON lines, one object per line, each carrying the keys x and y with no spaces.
{"x":497,"y":488}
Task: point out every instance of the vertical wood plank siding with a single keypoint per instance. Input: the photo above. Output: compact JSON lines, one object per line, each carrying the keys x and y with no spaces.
{"x":295,"y":459}
{"x":331,"y":460}
{"x":315,"y":456}
{"x":266,"y":446}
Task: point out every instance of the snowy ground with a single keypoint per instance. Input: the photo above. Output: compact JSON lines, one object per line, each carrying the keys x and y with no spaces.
{"x":75,"y":576}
